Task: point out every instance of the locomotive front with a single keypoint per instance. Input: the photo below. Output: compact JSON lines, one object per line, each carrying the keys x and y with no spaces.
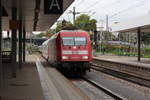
{"x":76,"y":52}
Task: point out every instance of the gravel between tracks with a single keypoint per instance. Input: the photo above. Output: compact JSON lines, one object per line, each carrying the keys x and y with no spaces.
{"x":91,"y":91}
{"x":144,"y":90}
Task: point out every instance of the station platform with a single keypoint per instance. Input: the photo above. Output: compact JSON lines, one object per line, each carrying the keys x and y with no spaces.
{"x":26,"y":86}
{"x":125,"y":59}
{"x":36,"y":81}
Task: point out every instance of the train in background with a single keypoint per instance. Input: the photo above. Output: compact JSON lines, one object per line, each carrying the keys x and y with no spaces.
{"x":69,"y":50}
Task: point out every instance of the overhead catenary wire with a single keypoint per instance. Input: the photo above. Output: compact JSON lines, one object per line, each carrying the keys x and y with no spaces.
{"x":128,"y":9}
{"x":118,"y":1}
{"x":79,"y":2}
{"x":89,"y":8}
{"x":93,"y":4}
{"x":74,"y":13}
{"x":102,"y":6}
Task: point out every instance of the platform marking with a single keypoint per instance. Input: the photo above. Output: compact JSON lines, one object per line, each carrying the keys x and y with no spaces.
{"x":49,"y":90}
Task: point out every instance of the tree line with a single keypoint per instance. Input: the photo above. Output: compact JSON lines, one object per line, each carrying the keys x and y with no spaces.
{"x":83,"y":22}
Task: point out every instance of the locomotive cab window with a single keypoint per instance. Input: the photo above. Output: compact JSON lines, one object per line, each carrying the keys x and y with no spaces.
{"x":80,"y":40}
{"x":74,"y":40}
{"x":68,"y":40}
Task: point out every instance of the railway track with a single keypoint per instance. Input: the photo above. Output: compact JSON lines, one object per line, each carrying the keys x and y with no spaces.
{"x":125,"y":76}
{"x":105,"y":90}
{"x":101,"y":88}
{"x":134,"y":69}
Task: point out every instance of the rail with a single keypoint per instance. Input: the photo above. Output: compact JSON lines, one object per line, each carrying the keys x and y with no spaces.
{"x":130,"y":78}
{"x":107,"y":91}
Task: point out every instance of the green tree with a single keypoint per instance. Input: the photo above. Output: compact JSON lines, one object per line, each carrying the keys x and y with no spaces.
{"x":49,"y":32}
{"x":59,"y":27}
{"x":145,"y":38}
{"x":122,"y":36}
{"x":127,"y":37}
{"x":63,"y":24}
{"x":85,"y":22}
{"x":40,"y":35}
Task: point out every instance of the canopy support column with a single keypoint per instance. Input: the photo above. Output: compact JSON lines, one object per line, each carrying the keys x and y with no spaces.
{"x":139,"y":44}
{"x":24,"y":44}
{"x":14,"y":43}
{"x":1,"y":66}
{"x":20,"y":44}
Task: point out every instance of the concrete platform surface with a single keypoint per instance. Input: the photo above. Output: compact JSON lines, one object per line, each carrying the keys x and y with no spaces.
{"x":36,"y":81}
{"x":55,"y":85}
{"x":127,"y":60}
{"x":26,"y":86}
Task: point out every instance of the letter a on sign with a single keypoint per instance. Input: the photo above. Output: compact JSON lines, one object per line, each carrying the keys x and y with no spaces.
{"x":54,"y":3}
{"x":53,"y":6}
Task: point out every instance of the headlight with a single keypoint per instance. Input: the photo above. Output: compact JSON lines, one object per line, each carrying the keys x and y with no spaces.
{"x":64,"y":57}
{"x":85,"y":57}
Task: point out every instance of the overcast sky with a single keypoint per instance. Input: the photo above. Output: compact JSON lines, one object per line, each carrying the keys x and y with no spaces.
{"x":117,"y":10}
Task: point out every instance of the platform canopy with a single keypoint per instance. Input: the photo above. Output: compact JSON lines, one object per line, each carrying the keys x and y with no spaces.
{"x":131,"y":25}
{"x":32,"y":13}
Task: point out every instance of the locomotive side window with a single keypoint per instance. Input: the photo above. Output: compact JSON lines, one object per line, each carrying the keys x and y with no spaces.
{"x":80,"y":40}
{"x":68,"y":40}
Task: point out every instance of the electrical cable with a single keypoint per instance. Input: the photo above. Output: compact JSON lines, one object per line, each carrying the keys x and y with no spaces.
{"x":127,"y":9}
{"x":97,"y":2}
{"x":79,"y":1}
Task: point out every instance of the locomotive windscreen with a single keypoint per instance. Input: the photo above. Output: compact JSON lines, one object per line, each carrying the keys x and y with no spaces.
{"x":74,"y":40}
{"x":80,"y":41}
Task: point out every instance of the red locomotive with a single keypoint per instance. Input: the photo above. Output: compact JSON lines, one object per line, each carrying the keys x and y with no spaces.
{"x":69,"y":50}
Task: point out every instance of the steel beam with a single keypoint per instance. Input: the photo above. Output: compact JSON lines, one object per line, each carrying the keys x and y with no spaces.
{"x":1,"y":66}
{"x":139,"y":44}
{"x":14,"y":43}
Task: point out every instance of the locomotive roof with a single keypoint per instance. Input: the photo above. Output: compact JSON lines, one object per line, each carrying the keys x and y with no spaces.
{"x":72,"y":31}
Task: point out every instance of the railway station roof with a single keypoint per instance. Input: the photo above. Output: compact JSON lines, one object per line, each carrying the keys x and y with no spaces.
{"x":131,"y":25}
{"x":32,"y":13}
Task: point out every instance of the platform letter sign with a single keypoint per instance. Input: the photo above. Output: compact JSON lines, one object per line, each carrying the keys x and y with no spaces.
{"x":53,"y":6}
